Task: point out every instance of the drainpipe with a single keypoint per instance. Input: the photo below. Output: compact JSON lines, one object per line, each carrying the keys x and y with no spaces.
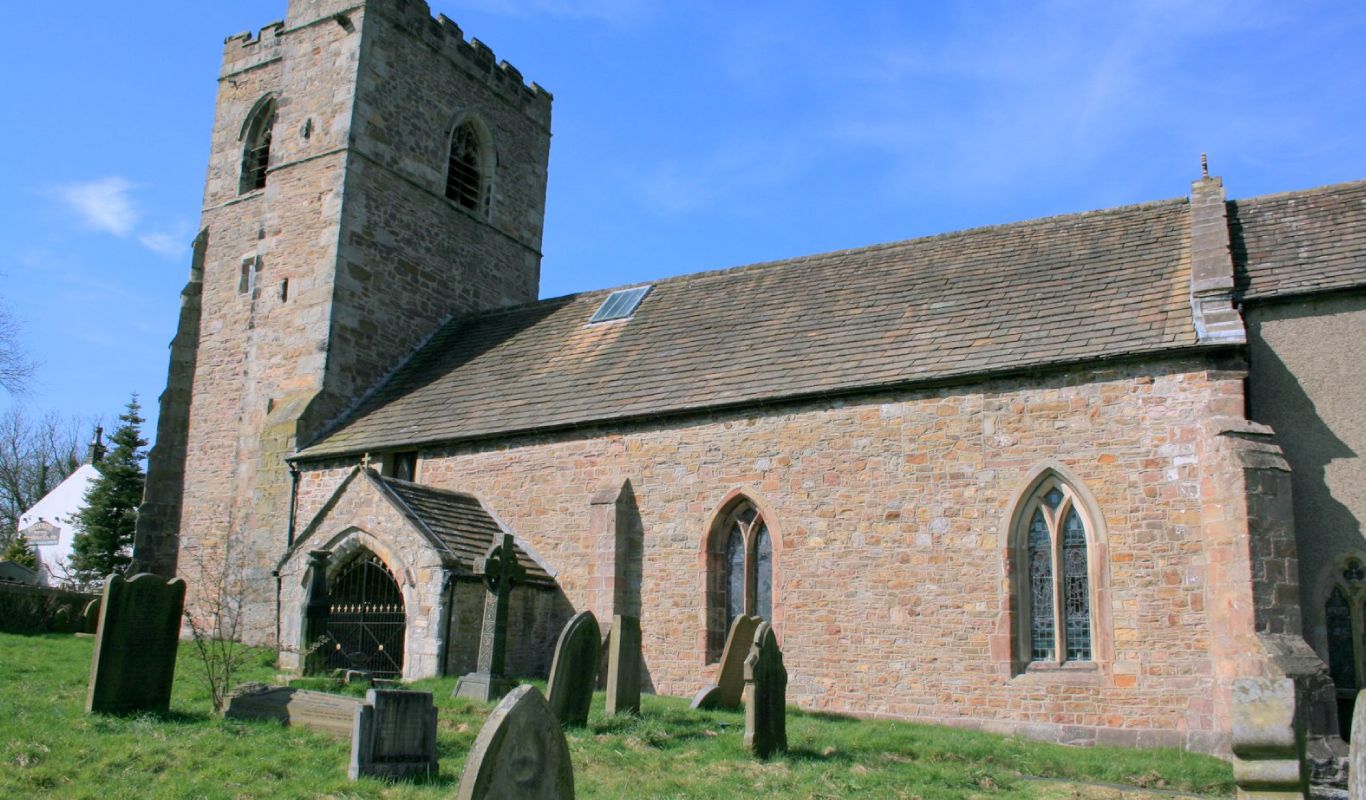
{"x":293,"y":501}
{"x":278,"y":584}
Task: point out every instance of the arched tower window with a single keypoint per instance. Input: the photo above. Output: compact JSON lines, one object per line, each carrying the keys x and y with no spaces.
{"x":1344,"y":616}
{"x":739,"y":571}
{"x":256,"y":146}
{"x":1054,"y":562}
{"x":469,"y":166}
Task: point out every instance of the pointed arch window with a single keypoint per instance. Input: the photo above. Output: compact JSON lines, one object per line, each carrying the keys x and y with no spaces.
{"x":1344,"y":615}
{"x":740,"y":571}
{"x":256,"y":146}
{"x":1056,"y":591}
{"x":467,"y":170}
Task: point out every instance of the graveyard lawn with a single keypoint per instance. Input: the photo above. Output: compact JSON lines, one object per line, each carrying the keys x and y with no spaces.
{"x":49,"y":748}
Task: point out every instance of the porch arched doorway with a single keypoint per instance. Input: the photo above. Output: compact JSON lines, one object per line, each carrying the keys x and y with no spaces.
{"x":366,"y":620}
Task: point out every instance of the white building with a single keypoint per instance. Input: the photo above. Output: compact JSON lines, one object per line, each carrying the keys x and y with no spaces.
{"x":48,"y":526}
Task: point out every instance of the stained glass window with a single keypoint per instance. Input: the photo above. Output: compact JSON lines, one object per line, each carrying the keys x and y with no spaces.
{"x":735,"y":575}
{"x":763,"y":573}
{"x":1041,"y":624}
{"x":1076,"y":594}
{"x":1341,"y":650}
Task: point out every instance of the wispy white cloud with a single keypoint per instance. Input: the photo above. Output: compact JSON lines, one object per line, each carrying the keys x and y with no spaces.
{"x":102,"y":204}
{"x":170,"y":245}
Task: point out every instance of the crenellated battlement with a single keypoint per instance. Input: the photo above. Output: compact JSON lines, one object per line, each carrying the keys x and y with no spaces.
{"x":244,"y":50}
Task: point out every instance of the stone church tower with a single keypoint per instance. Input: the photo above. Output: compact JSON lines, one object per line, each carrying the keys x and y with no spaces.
{"x":372,"y":173}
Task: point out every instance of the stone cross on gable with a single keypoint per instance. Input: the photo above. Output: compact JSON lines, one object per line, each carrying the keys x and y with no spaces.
{"x":500,"y":570}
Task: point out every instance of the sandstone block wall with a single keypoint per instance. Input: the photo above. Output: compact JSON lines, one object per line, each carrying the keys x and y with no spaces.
{"x":888,"y":516}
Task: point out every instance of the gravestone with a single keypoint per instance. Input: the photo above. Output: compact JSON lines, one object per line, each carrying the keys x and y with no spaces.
{"x":394,"y":735}
{"x":730,"y":682}
{"x":1356,"y":760}
{"x":139,"y":630}
{"x":765,"y":695}
{"x":1268,"y":741}
{"x":623,"y":666}
{"x":574,"y":670}
{"x":520,"y":753}
{"x":92,"y":616}
{"x":500,"y":570}
{"x":331,"y":714}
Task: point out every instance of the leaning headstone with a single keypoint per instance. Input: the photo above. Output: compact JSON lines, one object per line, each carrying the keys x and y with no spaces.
{"x":623,"y":666}
{"x":574,"y":670}
{"x":92,"y":616}
{"x":1356,"y":760}
{"x":520,"y":753}
{"x":730,"y":682}
{"x":139,"y":630}
{"x":1268,"y":741}
{"x":332,"y":714}
{"x":765,"y":695}
{"x":500,"y":570}
{"x":394,"y":735}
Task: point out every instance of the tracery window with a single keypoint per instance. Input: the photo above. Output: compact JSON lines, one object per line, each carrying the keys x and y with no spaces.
{"x":466,"y":172}
{"x":256,"y":147}
{"x":1056,"y":589}
{"x":740,"y":571}
{"x":1345,"y":626}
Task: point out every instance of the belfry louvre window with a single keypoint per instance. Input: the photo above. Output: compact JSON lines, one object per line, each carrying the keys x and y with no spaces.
{"x":740,"y":572}
{"x":465,"y":173}
{"x":1057,"y":584}
{"x":256,"y":148}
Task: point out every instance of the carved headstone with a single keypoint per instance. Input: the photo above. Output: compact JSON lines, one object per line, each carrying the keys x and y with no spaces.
{"x":332,"y":714}
{"x":623,"y":666}
{"x":500,"y":570}
{"x":765,"y":695}
{"x":730,"y":682}
{"x":574,"y":670}
{"x":1356,"y":765}
{"x":1268,"y":741}
{"x":139,"y":630}
{"x":394,"y":735}
{"x":520,"y":753}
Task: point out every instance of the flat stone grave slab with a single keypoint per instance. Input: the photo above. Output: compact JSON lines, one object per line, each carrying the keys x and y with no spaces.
{"x":394,"y":735}
{"x":331,"y":714}
{"x":730,"y":682}
{"x":133,"y":666}
{"x":520,"y":753}
{"x":574,"y":670}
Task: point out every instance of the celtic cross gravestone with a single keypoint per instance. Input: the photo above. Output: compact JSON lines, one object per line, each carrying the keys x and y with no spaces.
{"x":500,"y":571}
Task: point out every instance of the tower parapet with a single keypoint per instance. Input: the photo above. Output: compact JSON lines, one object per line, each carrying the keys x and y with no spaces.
{"x":244,"y":51}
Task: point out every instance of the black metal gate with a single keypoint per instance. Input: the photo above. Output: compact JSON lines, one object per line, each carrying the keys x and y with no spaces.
{"x":365,"y":623}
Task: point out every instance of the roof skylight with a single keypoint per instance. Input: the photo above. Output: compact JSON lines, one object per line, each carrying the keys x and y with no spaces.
{"x":620,"y":304}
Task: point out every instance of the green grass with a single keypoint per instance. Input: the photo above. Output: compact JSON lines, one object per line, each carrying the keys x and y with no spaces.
{"x":49,"y":748}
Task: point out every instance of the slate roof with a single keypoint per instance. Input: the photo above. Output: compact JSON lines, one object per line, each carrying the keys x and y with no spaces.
{"x":461,"y":522}
{"x":1007,"y":298}
{"x":1300,"y":242}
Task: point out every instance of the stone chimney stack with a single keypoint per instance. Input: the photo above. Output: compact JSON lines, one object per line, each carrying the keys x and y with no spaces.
{"x":1216,"y":319}
{"x":94,"y":454}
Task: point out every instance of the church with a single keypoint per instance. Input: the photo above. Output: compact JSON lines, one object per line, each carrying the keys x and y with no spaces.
{"x":1067,"y":478}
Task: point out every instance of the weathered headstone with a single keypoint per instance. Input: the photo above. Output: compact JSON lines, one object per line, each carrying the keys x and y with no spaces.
{"x":139,"y":630}
{"x":730,"y":682}
{"x":394,"y":735}
{"x":520,"y":753}
{"x":623,"y":666}
{"x":1268,"y":741}
{"x":332,"y":714}
{"x":1356,"y":760}
{"x":765,"y":695}
{"x":92,"y":616}
{"x":574,"y":670}
{"x":500,"y":570}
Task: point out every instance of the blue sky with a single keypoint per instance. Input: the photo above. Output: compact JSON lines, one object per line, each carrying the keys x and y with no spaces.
{"x":688,"y":135}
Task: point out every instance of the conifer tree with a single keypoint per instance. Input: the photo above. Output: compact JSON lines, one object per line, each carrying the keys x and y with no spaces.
{"x":20,"y":553}
{"x":104,"y":528}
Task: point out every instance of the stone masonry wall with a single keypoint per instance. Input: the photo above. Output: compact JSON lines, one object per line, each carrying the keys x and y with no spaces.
{"x":888,"y":518}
